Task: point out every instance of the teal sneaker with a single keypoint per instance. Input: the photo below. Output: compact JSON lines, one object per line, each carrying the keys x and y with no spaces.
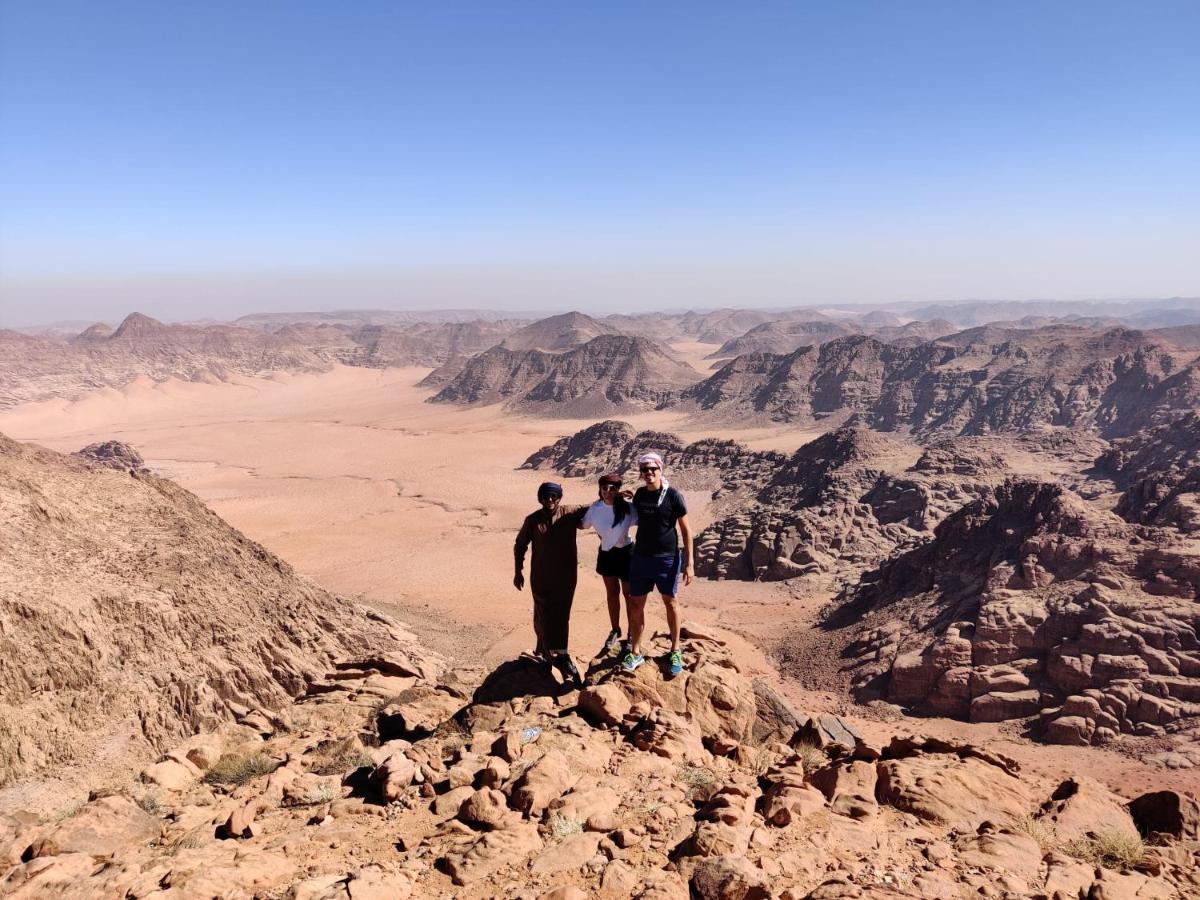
{"x":676,"y":661}
{"x":632,"y":661}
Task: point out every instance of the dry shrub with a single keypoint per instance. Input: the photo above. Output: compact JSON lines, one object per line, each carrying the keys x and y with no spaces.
{"x":191,"y":840}
{"x":1039,"y":831}
{"x":561,"y":826}
{"x":812,"y":756}
{"x":1110,"y":849}
{"x":339,"y":757}
{"x":695,"y":776}
{"x":234,"y":769}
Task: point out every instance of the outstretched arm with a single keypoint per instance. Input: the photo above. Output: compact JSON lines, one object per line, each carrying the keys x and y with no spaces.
{"x":519,"y":548}
{"x":686,"y":530}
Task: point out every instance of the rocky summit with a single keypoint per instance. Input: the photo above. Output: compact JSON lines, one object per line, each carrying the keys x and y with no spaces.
{"x":391,"y":779}
{"x":557,"y":334}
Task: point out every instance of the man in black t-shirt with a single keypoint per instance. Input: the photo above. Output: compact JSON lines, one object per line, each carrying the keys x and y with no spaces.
{"x":657,"y":561}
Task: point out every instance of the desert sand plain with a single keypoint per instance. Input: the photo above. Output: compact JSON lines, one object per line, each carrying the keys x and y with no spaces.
{"x":373,"y":493}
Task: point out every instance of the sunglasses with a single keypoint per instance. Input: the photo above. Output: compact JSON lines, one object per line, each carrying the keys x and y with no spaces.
{"x":646,"y":470}
{"x":609,"y":487}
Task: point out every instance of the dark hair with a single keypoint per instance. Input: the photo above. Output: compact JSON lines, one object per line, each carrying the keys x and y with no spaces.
{"x":620,"y":509}
{"x":620,"y":504}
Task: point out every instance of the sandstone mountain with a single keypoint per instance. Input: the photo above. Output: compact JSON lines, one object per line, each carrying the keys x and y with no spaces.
{"x":37,"y":368}
{"x":707,"y":786}
{"x":613,"y":446}
{"x":1031,"y":602}
{"x":557,"y":334}
{"x":986,"y":381}
{"x":608,"y":373}
{"x":841,"y":504}
{"x":1158,"y":472}
{"x":782,"y":337}
{"x":351,"y":319}
{"x":131,"y":615}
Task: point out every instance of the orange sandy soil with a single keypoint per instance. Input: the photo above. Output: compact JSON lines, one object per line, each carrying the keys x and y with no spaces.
{"x":372,"y":492}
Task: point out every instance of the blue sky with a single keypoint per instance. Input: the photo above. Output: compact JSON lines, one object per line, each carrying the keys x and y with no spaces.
{"x":229,"y":156}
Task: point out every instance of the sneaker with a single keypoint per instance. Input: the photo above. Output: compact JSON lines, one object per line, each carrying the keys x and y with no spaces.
{"x":676,"y":661}
{"x":626,"y":648}
{"x":610,"y":642}
{"x":566,"y":665}
{"x":632,"y":661}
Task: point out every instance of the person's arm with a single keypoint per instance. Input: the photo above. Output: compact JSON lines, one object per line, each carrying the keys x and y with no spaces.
{"x":686,"y":531}
{"x":519,"y":548}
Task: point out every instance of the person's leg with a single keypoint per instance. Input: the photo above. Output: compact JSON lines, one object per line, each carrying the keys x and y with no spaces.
{"x":668,"y":586}
{"x":559,"y":636}
{"x":672,"y":607}
{"x":637,"y":623}
{"x":625,"y":594}
{"x":612,"y":586}
{"x":539,"y":616}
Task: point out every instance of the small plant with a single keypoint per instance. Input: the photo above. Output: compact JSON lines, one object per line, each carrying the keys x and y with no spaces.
{"x":811,"y":756}
{"x":1110,"y":849}
{"x":191,"y":840}
{"x":695,"y":776}
{"x":1039,"y":831}
{"x":149,"y":803}
{"x":323,"y":793}
{"x":234,"y":769}
{"x":758,"y":760}
{"x":561,"y":826}
{"x":339,"y":757}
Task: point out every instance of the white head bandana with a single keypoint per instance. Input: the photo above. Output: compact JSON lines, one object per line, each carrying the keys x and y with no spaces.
{"x":655,"y":458}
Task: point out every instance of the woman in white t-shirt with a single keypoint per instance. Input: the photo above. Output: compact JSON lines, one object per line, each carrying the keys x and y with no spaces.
{"x":611,"y":517}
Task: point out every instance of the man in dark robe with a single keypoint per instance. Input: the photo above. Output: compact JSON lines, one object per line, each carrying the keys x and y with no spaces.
{"x":552,"y":574}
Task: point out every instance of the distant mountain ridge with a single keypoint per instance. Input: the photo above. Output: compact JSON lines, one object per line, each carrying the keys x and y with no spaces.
{"x":558,"y":333}
{"x":608,"y":373}
{"x":992,"y":380}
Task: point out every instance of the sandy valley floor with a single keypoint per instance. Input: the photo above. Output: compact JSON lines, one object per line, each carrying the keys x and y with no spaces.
{"x":374,"y":493}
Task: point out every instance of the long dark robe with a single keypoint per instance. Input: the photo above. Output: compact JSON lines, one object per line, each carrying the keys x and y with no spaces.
{"x":553,"y":572}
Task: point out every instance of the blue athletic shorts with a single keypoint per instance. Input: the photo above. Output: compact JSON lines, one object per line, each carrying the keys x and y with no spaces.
{"x":649,"y":572}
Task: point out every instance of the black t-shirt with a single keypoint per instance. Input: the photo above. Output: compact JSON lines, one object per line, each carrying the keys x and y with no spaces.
{"x":656,"y":534}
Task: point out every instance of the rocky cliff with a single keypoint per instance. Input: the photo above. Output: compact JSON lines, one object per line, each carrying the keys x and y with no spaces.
{"x":981,"y":382}
{"x":131,"y":615}
{"x":1158,"y":473}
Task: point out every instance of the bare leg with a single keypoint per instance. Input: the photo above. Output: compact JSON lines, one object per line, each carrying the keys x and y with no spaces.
{"x":612,"y":585}
{"x":637,"y":622}
{"x":672,"y":607}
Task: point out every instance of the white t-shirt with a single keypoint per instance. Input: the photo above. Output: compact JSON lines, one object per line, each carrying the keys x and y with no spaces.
{"x":599,"y":517}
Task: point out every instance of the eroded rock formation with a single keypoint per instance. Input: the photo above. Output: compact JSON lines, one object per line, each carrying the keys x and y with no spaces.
{"x":1031,"y":602}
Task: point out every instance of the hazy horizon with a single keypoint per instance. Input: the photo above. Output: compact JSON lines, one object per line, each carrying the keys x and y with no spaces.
{"x":219,"y":160}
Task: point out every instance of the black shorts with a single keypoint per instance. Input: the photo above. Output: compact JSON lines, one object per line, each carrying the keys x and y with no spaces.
{"x":615,"y":562}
